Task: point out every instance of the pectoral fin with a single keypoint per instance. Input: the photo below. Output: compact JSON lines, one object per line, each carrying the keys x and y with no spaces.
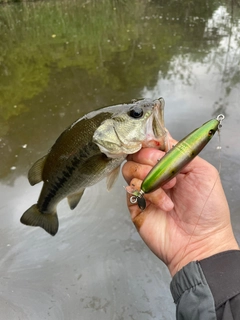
{"x":35,"y":173}
{"x":73,"y":199}
{"x":112,"y":177}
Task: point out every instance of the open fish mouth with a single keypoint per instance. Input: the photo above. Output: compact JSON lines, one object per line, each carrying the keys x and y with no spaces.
{"x":158,"y":118}
{"x":156,"y":133}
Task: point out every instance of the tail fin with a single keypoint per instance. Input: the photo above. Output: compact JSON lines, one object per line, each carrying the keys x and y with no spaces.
{"x":33,"y":217}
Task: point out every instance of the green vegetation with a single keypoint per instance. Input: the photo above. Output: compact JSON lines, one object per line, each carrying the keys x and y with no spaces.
{"x":108,"y":39}
{"x":60,"y":59}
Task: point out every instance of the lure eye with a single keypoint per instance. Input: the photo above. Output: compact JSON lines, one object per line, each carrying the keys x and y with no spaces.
{"x":211,"y":133}
{"x":136,"y":112}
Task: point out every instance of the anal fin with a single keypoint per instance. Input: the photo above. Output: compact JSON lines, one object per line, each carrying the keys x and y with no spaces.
{"x":74,"y":198}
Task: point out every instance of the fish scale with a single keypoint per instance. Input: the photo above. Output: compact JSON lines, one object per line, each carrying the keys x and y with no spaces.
{"x":92,"y":148}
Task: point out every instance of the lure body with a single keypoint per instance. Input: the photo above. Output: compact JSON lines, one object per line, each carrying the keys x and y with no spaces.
{"x":176,"y":159}
{"x":179,"y":156}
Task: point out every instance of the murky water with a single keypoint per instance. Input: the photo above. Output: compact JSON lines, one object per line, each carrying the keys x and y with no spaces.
{"x":58,"y":61}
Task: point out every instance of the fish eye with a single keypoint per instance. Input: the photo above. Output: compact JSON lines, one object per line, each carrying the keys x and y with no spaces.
{"x":136,"y":112}
{"x":211,"y":132}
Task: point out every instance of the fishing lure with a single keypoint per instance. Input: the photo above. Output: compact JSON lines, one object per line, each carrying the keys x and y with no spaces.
{"x":175,"y":159}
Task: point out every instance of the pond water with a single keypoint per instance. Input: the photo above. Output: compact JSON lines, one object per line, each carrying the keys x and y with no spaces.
{"x":62,"y":59}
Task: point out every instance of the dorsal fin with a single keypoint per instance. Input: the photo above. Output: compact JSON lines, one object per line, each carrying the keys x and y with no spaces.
{"x":35,"y":173}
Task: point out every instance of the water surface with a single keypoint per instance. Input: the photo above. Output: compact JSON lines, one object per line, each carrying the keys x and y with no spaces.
{"x":62,"y":59}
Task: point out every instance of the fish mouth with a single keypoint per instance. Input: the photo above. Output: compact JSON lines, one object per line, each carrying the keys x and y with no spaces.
{"x":157,"y":135}
{"x":158,"y":118}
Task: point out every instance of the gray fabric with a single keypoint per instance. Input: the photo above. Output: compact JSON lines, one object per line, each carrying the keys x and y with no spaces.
{"x":192,"y":294}
{"x":223,"y":277}
{"x":222,"y":274}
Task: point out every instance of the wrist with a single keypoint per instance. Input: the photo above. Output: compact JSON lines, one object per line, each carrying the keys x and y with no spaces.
{"x":200,"y":249}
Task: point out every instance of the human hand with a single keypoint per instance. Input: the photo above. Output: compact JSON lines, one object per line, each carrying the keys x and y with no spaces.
{"x":187,"y":219}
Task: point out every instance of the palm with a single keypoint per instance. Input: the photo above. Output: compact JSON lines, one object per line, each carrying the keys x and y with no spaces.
{"x":197,"y":211}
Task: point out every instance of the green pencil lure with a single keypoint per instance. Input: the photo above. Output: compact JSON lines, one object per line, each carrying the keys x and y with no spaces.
{"x":176,"y":158}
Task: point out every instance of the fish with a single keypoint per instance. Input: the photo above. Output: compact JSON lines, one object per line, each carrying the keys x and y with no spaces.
{"x":90,"y":149}
{"x":176,"y":159}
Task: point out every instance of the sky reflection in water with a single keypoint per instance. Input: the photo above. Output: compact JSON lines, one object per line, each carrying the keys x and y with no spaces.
{"x":60,"y":60}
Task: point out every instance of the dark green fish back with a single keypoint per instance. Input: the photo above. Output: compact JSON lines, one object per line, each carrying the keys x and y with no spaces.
{"x":66,"y":170}
{"x":73,"y":163}
{"x":73,"y":145}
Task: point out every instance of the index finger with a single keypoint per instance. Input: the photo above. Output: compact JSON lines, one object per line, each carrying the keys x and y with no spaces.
{"x":150,"y":156}
{"x":147,"y":156}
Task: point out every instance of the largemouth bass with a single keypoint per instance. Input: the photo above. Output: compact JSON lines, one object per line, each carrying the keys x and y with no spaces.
{"x":91,"y":149}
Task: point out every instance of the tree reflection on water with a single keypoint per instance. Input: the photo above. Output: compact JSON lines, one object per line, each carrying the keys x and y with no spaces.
{"x":63,"y":58}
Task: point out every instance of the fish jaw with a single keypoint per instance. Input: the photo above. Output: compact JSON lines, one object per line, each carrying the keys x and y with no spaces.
{"x":157,"y":135}
{"x":125,"y":134}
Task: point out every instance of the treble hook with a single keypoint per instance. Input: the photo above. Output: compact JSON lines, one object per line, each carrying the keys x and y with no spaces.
{"x":220,"y":118}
